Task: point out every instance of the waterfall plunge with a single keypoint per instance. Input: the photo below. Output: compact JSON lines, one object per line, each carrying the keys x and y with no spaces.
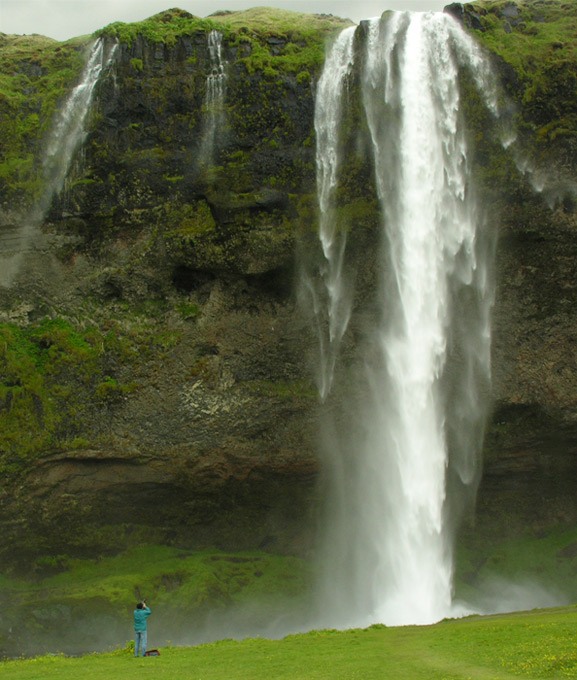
{"x":402,"y":457}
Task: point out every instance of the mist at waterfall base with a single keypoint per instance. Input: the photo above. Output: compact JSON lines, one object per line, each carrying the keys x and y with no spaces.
{"x":401,"y":443}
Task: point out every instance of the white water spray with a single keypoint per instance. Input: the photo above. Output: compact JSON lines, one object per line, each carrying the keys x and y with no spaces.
{"x":214,"y":98}
{"x":335,"y":290}
{"x":406,"y":454}
{"x":65,"y":137}
{"x":69,"y":131}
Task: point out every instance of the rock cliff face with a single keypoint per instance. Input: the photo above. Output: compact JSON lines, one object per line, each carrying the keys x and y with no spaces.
{"x":156,"y":374}
{"x":530,"y":451}
{"x":156,"y":384}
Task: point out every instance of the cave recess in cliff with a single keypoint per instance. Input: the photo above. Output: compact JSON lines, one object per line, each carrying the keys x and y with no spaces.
{"x":186,"y":279}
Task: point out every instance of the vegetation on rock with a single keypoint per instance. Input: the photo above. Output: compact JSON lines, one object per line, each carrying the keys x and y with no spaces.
{"x":35,"y":74}
{"x":166,"y":351}
{"x":537,"y":41}
{"x":185,"y":589}
{"x":274,"y":41}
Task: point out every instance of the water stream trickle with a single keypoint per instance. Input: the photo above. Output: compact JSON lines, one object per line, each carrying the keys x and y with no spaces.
{"x":402,"y":457}
{"x":65,"y":137}
{"x":69,"y":131}
{"x":335,"y":288}
{"x":214,"y":99}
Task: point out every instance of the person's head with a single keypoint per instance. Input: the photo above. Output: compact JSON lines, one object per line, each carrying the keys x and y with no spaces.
{"x":139,"y":605}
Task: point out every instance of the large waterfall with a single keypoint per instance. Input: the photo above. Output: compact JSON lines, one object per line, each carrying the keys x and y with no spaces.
{"x":65,"y":138}
{"x":402,"y":455}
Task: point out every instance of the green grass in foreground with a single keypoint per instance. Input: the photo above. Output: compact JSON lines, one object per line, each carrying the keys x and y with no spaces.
{"x":538,"y":644}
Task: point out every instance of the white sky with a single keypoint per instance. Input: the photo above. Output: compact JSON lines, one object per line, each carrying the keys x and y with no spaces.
{"x":64,"y":19}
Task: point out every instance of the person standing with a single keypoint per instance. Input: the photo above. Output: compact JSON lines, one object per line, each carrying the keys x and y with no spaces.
{"x":141,"y":613}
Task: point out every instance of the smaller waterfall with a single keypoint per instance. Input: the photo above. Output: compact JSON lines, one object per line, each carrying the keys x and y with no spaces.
{"x":331,"y":300}
{"x":68,"y":131}
{"x":214,"y":99}
{"x":65,"y":137}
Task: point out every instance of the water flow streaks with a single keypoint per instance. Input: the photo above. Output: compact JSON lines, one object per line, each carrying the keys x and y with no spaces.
{"x":333,"y":316}
{"x":68,"y":131}
{"x":66,"y":136}
{"x":418,"y":403}
{"x":214,"y":99}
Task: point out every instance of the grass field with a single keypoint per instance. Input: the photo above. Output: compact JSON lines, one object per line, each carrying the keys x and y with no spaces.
{"x":537,"y":644}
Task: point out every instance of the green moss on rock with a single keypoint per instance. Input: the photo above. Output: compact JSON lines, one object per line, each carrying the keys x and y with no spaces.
{"x":35,"y":74}
{"x":537,"y":43}
{"x":37,"y":366}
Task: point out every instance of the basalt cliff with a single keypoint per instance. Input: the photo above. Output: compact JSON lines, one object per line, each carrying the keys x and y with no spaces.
{"x":157,"y":376}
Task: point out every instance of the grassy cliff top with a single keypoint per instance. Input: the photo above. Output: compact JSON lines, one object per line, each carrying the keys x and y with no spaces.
{"x":166,"y":27}
{"x":537,"y":39}
{"x":268,"y":19}
{"x":529,"y":34}
{"x":30,"y":61}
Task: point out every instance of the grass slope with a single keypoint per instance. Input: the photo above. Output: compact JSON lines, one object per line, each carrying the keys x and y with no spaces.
{"x":195,"y":597}
{"x":166,"y":576}
{"x":532,"y":645}
{"x":539,"y":35}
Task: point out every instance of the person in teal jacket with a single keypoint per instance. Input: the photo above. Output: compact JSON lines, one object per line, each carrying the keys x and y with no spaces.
{"x":141,"y":613}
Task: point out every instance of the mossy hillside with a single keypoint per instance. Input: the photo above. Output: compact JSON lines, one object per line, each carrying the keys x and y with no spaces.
{"x":270,"y":122}
{"x":36,"y":73}
{"x":56,"y":374}
{"x":184,"y":589}
{"x":538,"y":41}
{"x":249,"y":241}
{"x":39,"y":365}
{"x":130,"y":390}
{"x":172,"y":578}
{"x":234,"y":233}
{"x":531,"y":36}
